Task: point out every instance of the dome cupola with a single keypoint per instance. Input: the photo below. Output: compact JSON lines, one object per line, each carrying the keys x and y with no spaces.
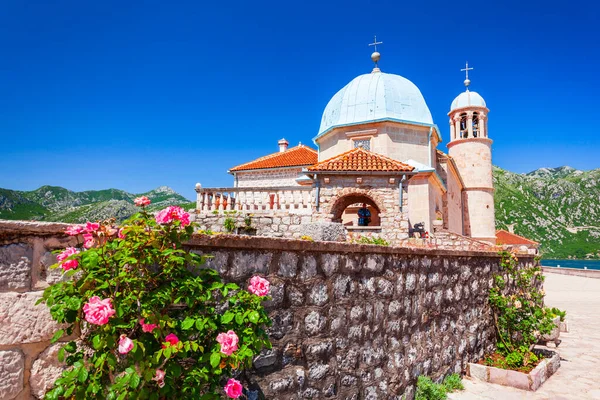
{"x":376,"y":97}
{"x":468,"y":113}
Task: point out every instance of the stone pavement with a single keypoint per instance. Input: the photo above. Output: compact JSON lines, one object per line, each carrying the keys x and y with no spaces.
{"x":579,"y":374}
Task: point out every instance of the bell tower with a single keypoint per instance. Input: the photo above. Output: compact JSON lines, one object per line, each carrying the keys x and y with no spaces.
{"x":471,"y":149}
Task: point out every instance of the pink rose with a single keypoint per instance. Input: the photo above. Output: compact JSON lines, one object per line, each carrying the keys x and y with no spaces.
{"x":91,"y":227}
{"x":69,"y":251}
{"x":173,"y":213}
{"x":142,"y":201}
{"x":229,"y":342}
{"x":74,"y":230}
{"x":68,"y":264}
{"x":98,"y":311}
{"x":233,"y":389}
{"x":88,"y":240}
{"x":259,"y":286}
{"x":172,"y":339}
{"x":125,"y":344}
{"x":147,"y":327}
{"x":159,"y":377}
{"x":121,"y":234}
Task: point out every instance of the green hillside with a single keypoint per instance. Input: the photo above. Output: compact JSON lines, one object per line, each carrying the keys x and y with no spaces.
{"x":558,"y":207}
{"x":54,"y":203}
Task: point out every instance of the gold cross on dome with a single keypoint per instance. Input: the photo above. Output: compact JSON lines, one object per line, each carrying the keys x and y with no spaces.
{"x":375,"y":43}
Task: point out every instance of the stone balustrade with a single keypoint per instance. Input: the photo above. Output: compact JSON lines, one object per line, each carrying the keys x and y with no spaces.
{"x":293,"y":200}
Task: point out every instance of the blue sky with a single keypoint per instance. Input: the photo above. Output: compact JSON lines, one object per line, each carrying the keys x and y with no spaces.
{"x":134,"y":95}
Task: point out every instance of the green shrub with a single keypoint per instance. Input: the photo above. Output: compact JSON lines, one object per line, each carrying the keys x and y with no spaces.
{"x":453,"y":382}
{"x":428,"y":390}
{"x":517,"y":301}
{"x":155,"y":324}
{"x":373,"y":240}
{"x":555,"y":312}
{"x":229,"y":224}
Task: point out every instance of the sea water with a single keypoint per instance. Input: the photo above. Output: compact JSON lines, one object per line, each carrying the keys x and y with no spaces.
{"x":579,"y":264}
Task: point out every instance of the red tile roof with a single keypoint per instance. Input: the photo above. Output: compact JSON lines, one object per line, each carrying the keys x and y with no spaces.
{"x":505,"y":237}
{"x":296,"y":156}
{"x":359,"y":159}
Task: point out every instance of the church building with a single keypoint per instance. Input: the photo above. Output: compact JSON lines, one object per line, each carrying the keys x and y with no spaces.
{"x":376,"y":168}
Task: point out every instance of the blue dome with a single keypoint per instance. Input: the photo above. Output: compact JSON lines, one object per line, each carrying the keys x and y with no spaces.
{"x":467,"y":99}
{"x":376,"y":96}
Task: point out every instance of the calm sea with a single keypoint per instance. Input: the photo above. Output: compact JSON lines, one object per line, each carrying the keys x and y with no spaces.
{"x":582,"y":264}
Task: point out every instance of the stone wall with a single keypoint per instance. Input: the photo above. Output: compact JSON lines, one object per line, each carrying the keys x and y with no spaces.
{"x":27,"y":360}
{"x":359,"y":321}
{"x":274,"y":224}
{"x":349,"y":321}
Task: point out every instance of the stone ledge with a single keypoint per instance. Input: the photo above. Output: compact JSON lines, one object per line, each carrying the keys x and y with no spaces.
{"x":268,"y":243}
{"x":33,"y":228}
{"x":531,"y":381}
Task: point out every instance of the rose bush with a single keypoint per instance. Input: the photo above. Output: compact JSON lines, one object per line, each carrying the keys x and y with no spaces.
{"x":517,"y":300}
{"x":151,"y":322}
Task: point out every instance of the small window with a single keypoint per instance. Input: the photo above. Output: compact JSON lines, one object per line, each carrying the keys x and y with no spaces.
{"x":475,"y":124}
{"x":464,"y":131}
{"x":364,"y":143}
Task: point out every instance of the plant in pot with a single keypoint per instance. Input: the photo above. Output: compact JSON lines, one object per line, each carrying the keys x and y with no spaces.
{"x":516,"y":298}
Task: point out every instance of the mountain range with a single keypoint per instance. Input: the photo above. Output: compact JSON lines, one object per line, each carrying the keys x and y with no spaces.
{"x":558,"y":207}
{"x":54,"y":203}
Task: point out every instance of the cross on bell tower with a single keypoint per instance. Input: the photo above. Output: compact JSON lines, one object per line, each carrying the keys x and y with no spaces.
{"x":467,"y":69}
{"x":375,"y":56}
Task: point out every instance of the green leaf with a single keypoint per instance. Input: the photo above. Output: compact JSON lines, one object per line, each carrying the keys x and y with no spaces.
{"x":69,"y":391}
{"x":71,"y":347}
{"x":200,"y":324}
{"x":227,"y":317}
{"x":57,"y":335}
{"x":135,"y":381}
{"x":254,"y":316}
{"x":239,"y":318}
{"x":61,"y":354}
{"x":187,"y":323}
{"x":82,"y":375}
{"x":97,"y":342}
{"x":215,"y":359}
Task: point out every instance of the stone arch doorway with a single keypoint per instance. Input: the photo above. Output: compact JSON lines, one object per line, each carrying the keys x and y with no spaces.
{"x":345,"y":209}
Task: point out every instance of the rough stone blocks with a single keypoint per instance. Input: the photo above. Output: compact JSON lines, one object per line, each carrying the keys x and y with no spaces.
{"x":12,"y":363}
{"x":21,"y":321}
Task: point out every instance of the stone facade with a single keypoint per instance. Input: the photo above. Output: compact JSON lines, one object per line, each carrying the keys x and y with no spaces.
{"x":339,"y":191}
{"x":395,"y":140}
{"x":282,"y":177}
{"x":349,"y":321}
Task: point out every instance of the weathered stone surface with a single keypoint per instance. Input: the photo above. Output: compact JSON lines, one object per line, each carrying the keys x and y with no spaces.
{"x":49,"y":275}
{"x":45,"y":370}
{"x":324,"y":231}
{"x":12,"y":364}
{"x":15,"y":267}
{"x":21,"y":321}
{"x":247,"y":263}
